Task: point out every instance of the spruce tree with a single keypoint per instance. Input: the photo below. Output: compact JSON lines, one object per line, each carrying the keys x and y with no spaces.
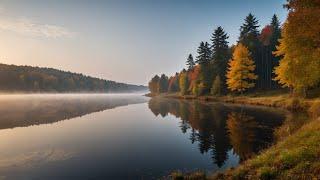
{"x":220,"y":53}
{"x":190,"y":62}
{"x":276,"y":35}
{"x":203,"y":58}
{"x":249,"y":37}
{"x":274,"y":42}
{"x":249,"y":31}
{"x":204,"y":53}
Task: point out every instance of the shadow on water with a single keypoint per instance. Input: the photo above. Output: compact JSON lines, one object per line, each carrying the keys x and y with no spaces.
{"x":27,"y":110}
{"x":219,"y":128}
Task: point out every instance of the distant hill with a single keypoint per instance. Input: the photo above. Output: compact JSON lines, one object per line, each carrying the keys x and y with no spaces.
{"x":36,"y":79}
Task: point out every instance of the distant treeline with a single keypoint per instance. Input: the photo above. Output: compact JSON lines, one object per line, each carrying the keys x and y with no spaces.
{"x":272,"y":57}
{"x":36,"y":79}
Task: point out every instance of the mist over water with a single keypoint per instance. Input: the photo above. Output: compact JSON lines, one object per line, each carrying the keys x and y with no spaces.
{"x":117,"y":136}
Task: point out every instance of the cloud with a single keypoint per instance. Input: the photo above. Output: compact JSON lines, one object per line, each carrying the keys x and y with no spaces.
{"x":28,"y":27}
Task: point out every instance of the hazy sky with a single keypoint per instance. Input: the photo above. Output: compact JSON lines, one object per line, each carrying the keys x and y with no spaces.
{"x":122,"y":40}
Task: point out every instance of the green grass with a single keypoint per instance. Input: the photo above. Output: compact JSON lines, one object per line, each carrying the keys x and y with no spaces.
{"x":296,"y":157}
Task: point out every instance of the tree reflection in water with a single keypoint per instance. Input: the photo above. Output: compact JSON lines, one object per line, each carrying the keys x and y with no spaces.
{"x":28,"y":110}
{"x":219,"y":128}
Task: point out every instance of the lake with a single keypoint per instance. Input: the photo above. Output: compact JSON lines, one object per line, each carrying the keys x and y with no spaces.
{"x":126,"y":136}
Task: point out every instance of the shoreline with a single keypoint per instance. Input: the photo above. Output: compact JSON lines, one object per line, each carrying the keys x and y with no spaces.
{"x":283,"y":101}
{"x":297,"y":147}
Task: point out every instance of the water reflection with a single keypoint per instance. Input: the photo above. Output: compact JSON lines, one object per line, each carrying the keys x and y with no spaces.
{"x":27,"y":110}
{"x":218,"y":128}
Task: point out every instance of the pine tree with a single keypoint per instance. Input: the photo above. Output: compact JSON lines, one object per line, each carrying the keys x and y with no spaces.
{"x":241,"y":70}
{"x":249,"y":32}
{"x":203,"y":58}
{"x":274,"y":42}
{"x":220,"y":53}
{"x":249,"y":37}
{"x":276,"y":34}
{"x":190,"y":62}
{"x":204,"y":53}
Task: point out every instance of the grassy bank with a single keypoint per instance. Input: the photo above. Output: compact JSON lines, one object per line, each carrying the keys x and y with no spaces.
{"x":273,"y":99}
{"x":296,"y":155}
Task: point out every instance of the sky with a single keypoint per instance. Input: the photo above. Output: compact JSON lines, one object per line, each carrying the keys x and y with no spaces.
{"x":123,"y":40}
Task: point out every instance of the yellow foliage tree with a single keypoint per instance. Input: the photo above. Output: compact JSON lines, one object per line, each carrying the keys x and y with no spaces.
{"x":299,"y":47}
{"x":183,"y":83}
{"x":240,"y":73}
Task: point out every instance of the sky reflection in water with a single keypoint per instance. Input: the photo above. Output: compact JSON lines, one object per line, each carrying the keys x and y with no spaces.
{"x":105,"y":138}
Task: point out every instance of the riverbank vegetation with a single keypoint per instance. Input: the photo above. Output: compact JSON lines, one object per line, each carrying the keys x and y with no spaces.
{"x":278,"y":58}
{"x":275,"y":57}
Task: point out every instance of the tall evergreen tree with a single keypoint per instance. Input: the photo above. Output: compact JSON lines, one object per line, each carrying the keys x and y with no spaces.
{"x":274,"y":42}
{"x":220,"y":53}
{"x":249,"y":32}
{"x":203,"y":58}
{"x":190,"y":62}
{"x":204,"y":53}
{"x":249,"y":37}
{"x":276,"y":34}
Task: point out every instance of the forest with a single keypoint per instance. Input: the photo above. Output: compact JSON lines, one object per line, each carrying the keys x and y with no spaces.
{"x":277,"y":56}
{"x":36,"y":79}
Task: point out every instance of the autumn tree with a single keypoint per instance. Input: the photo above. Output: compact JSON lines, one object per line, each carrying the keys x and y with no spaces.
{"x":249,"y":37}
{"x":220,"y":54}
{"x":216,"y":86}
{"x":300,"y":47}
{"x":183,"y":83}
{"x":240,"y":74}
{"x":154,"y":84}
{"x":174,"y":83}
{"x":190,"y":62}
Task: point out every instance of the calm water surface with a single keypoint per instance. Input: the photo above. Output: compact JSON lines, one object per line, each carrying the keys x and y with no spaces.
{"x":125,"y":136}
